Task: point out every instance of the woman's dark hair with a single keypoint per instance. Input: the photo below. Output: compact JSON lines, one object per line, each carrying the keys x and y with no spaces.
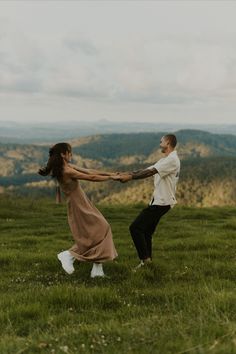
{"x":54,"y":165}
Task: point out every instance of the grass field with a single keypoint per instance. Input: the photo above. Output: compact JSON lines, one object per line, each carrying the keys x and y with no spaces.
{"x":184,"y":303}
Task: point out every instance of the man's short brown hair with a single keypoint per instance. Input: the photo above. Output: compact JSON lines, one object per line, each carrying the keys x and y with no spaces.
{"x":172,"y":139}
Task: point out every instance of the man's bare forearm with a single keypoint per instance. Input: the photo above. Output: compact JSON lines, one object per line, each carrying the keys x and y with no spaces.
{"x":143,"y":173}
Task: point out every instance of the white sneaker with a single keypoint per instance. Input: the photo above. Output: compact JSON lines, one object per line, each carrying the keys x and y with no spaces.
{"x":97,"y":270}
{"x":67,"y":261}
{"x":140,"y":265}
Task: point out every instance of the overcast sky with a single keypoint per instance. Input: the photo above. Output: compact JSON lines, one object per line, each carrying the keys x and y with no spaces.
{"x":164,"y":61}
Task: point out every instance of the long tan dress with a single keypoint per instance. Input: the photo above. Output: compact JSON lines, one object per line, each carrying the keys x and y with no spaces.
{"x":90,"y":230}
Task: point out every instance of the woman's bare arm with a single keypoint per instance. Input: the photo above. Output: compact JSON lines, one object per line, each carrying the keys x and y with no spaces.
{"x":89,"y":171}
{"x":75,"y":174}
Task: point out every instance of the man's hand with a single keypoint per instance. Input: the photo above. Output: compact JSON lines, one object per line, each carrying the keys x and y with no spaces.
{"x":122,"y":177}
{"x":114,"y":174}
{"x":125,"y":177}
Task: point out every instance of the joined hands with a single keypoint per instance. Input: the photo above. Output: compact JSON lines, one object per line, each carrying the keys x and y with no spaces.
{"x":122,"y":177}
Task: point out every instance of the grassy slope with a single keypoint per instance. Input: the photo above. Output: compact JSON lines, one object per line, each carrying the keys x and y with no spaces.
{"x":185,"y":303}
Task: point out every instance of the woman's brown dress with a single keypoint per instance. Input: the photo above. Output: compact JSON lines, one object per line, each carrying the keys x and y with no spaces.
{"x":90,"y":230}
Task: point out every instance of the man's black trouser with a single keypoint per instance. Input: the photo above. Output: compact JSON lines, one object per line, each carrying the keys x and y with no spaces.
{"x":144,"y":226}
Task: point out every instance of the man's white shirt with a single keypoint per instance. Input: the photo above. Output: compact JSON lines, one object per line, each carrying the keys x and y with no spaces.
{"x":166,"y":179}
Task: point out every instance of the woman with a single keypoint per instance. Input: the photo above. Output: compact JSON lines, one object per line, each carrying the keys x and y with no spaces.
{"x":90,"y":230}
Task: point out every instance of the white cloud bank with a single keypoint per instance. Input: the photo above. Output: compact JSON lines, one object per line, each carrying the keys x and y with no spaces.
{"x":124,"y":63}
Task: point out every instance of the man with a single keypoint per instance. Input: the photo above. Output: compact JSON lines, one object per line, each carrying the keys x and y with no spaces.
{"x":166,"y":174}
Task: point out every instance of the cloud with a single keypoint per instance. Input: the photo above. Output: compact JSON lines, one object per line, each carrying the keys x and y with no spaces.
{"x":21,"y":64}
{"x":81,"y":45}
{"x":159,"y":69}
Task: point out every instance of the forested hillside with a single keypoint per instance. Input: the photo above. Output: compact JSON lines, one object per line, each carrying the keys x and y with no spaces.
{"x":191,"y":143}
{"x":208,"y":171}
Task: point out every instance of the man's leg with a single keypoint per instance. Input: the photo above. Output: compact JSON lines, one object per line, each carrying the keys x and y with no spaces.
{"x":137,"y":231}
{"x":143,"y":227}
{"x":159,"y":211}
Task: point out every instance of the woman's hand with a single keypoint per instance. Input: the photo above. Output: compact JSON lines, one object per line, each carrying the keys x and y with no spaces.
{"x":115,"y":177}
{"x":122,"y":177}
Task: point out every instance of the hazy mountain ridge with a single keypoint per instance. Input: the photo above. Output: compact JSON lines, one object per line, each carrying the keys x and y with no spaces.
{"x":208,"y":173}
{"x":192,"y":143}
{"x":13,"y":132}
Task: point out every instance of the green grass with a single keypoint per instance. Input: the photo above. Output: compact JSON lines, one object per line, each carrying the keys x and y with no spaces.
{"x":184,"y":303}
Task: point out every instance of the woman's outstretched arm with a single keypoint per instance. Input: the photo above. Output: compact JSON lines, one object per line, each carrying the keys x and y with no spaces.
{"x":70,"y":172}
{"x":89,"y":171}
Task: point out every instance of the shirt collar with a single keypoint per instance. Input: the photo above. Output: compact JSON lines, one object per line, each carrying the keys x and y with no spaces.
{"x":174,"y":152}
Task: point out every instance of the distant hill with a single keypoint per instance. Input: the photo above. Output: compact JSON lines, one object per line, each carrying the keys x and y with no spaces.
{"x":21,"y":133}
{"x":192,"y":143}
{"x":208,"y":173}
